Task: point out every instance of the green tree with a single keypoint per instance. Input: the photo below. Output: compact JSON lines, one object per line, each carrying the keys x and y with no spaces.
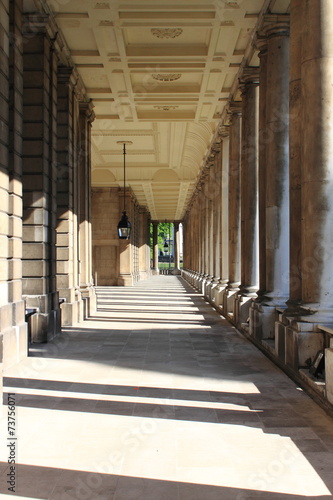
{"x":164,"y":232}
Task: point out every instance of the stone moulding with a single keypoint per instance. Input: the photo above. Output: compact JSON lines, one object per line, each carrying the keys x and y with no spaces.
{"x":166,"y":32}
{"x":166,"y":107}
{"x":166,"y":77}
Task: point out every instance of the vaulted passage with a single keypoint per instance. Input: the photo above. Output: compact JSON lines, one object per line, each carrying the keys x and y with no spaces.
{"x":157,"y":397}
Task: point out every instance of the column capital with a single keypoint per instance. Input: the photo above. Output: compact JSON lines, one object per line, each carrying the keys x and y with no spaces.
{"x":42,"y":23}
{"x":249,"y":78}
{"x":276,"y":25}
{"x":87,"y":109}
{"x":250,"y":75}
{"x":260,"y":43}
{"x":235,"y":108}
{"x":223,"y":131}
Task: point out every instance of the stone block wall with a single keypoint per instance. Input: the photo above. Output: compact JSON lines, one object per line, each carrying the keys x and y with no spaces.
{"x":118,"y":262}
{"x":105,"y":217}
{"x":40,"y":176}
{"x":13,"y":336}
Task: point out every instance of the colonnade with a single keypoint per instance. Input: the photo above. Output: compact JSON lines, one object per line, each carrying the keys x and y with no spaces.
{"x":262,"y":254}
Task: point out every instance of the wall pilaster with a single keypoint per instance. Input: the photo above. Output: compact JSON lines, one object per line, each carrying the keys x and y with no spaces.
{"x":144,"y":250}
{"x":67,"y":248}
{"x":40,"y":175}
{"x":86,"y":117}
{"x":13,"y":329}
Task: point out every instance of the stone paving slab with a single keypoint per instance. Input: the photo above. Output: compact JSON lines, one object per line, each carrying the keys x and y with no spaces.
{"x":157,"y":397}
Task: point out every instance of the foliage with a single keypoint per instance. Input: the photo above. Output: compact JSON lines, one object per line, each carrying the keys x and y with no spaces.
{"x":164,"y":232}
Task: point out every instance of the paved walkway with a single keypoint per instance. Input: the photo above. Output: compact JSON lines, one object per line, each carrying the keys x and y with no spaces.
{"x":158,"y":398}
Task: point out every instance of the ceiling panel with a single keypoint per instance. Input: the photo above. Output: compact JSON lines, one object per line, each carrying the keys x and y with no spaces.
{"x":159,"y":74}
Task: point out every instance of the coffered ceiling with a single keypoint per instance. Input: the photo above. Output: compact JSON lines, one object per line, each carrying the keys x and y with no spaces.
{"x":159,"y":74}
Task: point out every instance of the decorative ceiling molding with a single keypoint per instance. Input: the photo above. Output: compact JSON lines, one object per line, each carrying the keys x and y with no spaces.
{"x":166,"y":77}
{"x":166,"y":107}
{"x":166,"y":32}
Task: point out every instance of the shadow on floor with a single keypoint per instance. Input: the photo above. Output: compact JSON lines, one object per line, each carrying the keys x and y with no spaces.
{"x":63,"y":484}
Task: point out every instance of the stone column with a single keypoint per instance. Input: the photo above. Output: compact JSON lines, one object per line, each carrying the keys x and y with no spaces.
{"x":264,"y":137}
{"x":201,"y":215}
{"x":317,"y":171}
{"x":203,"y":211}
{"x":249,"y":196}
{"x":217,"y":220}
{"x":224,"y":232}
{"x":40,"y":175}
{"x":295,"y":157}
{"x":177,"y":248}
{"x":209,"y":246}
{"x":86,"y":118}
{"x":303,"y":339}
{"x":155,"y":248}
{"x":234,"y":206}
{"x":277,"y":178}
{"x":284,"y":336}
{"x":144,"y":250}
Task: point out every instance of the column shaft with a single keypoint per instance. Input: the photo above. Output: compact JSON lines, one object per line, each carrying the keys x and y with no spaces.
{"x":144,"y":249}
{"x":224,"y":238}
{"x":317,"y":167}
{"x":277,"y":173}
{"x":249,"y":190}
{"x":177,"y":248}
{"x":263,"y":138}
{"x":155,"y":248}
{"x":295,"y":157}
{"x":234,"y":200}
{"x":86,"y":116}
{"x":249,"y":198}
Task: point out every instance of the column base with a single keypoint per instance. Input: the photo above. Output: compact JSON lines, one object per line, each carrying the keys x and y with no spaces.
{"x":88,"y":295}
{"x":230,"y":297}
{"x":176,"y":271}
{"x":144,"y":275}
{"x":213,"y":290}
{"x":329,"y":373}
{"x":242,"y":310}
{"x":14,"y":334}
{"x":125,"y":280}
{"x":220,"y":293}
{"x":301,"y":346}
{"x":206,"y":284}
{"x":262,"y":321}
{"x":70,"y":313}
{"x":197,"y":281}
{"x":45,"y":322}
{"x":155,"y":271}
{"x":208,"y":287}
{"x":14,"y":348}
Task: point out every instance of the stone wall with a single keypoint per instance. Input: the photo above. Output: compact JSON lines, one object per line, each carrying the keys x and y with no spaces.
{"x":118,"y":262}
